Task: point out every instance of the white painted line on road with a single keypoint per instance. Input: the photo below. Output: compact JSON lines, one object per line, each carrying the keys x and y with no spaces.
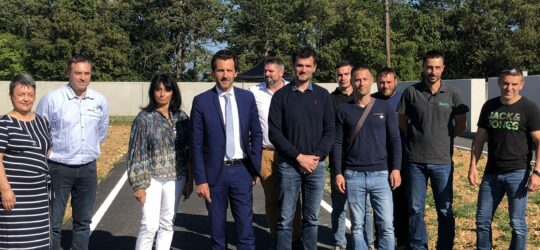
{"x":107,"y":203}
{"x":328,"y":208}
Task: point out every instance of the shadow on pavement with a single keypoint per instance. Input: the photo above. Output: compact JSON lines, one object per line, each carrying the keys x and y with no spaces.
{"x":194,"y":232}
{"x":101,"y":240}
{"x":105,"y":240}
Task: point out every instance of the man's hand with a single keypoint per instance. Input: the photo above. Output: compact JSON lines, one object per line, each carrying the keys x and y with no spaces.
{"x":188,"y":188}
{"x":395,"y":179}
{"x":254,"y":182}
{"x":204,"y":192}
{"x":307,"y":163}
{"x":340,"y":183}
{"x":534,"y":183}
{"x":8,"y":199}
{"x":140,"y":195}
{"x":473,"y":176}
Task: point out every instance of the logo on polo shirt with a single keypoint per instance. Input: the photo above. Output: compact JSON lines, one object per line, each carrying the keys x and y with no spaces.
{"x":444,"y":104}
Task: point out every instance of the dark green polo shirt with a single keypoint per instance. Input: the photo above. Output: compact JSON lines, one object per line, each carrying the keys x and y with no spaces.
{"x":431,"y":122}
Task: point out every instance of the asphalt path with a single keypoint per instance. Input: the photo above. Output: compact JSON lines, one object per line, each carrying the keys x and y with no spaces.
{"x":117,"y":228}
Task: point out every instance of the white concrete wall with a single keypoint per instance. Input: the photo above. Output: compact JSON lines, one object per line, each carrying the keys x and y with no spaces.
{"x":126,"y":98}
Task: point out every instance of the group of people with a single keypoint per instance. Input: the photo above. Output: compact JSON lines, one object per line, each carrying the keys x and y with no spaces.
{"x":47,"y":156}
{"x":381,"y":148}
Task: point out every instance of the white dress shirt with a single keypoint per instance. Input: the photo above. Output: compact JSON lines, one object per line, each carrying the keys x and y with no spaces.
{"x":238,"y":152}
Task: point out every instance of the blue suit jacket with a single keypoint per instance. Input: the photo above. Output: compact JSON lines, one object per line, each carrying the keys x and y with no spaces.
{"x":209,"y":135}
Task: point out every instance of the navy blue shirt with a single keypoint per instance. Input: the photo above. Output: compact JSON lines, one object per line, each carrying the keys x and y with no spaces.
{"x":301,"y":122}
{"x":369,"y":150}
{"x":394,"y":99}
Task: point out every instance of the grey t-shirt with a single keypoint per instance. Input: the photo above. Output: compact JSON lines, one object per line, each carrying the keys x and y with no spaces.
{"x":431,"y":121}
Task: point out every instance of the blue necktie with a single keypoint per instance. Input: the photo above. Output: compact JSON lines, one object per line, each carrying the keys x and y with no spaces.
{"x":229,"y":127}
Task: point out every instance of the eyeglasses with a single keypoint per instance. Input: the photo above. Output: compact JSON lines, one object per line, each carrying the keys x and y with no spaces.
{"x":511,"y":71}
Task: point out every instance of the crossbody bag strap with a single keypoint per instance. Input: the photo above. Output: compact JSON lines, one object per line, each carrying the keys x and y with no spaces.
{"x":361,"y":122}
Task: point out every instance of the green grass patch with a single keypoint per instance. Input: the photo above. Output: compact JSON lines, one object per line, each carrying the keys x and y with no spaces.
{"x":534,"y":198}
{"x":121,"y":120}
{"x":465,"y":210}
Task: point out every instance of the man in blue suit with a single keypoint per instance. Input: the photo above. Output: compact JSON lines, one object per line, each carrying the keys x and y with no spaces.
{"x":227,"y":145}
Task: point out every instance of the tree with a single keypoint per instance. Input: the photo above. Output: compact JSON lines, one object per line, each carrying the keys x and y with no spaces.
{"x":82,"y":27}
{"x":341,"y":29}
{"x":13,"y":54}
{"x":170,"y":35}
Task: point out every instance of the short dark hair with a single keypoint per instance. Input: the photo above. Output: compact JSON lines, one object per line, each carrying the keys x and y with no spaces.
{"x":343,"y":64}
{"x":511,"y":71}
{"x":275,"y":60}
{"x":361,"y":67}
{"x":169,"y":82}
{"x":386,"y":71}
{"x":224,"y":55}
{"x":77,"y":59}
{"x":21,"y":79}
{"x":304,"y":53}
{"x":433,"y":54}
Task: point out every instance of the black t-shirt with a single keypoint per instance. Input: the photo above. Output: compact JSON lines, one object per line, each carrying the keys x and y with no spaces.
{"x":509,"y":130}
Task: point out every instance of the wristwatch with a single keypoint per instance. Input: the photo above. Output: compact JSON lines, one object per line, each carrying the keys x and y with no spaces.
{"x":536,"y":172}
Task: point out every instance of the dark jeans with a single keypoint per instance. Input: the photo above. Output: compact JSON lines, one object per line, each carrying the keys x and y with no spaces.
{"x":80,"y":181}
{"x":401,"y":210}
{"x":441,"y":176}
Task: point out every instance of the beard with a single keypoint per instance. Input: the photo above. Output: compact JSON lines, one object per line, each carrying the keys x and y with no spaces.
{"x":270,"y":82}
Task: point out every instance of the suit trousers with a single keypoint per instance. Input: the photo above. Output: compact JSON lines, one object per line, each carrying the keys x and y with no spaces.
{"x":270,"y":186}
{"x":158,"y":213}
{"x":234,"y":187}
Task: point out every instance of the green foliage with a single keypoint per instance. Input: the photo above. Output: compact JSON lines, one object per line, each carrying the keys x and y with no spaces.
{"x":170,"y":35}
{"x":133,"y":39}
{"x":12,"y":56}
{"x":81,"y":27}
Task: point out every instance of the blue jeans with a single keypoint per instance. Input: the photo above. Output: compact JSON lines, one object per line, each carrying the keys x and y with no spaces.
{"x":441,"y":176}
{"x":492,"y":190}
{"x":80,"y":181}
{"x":291,"y":181}
{"x":369,"y":224}
{"x":359,"y":185}
{"x":339,"y":202}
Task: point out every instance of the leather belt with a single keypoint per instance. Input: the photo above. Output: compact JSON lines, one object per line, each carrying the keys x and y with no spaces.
{"x":269,"y":148}
{"x":233,"y":162}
